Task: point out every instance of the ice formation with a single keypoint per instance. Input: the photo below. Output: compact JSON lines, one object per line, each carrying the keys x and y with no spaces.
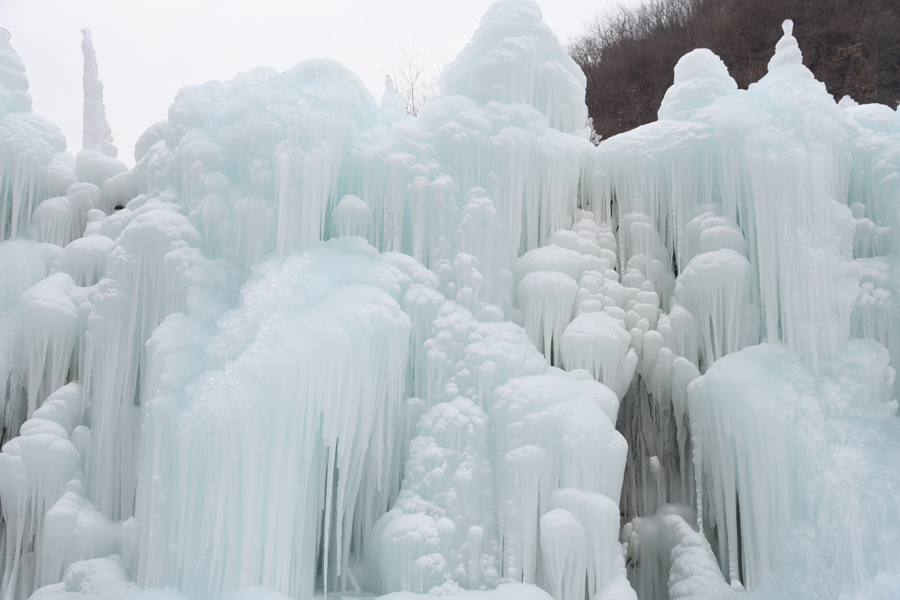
{"x":310,"y":345}
{"x":97,"y":134}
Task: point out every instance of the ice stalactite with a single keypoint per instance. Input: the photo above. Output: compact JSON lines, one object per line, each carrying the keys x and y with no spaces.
{"x":85,"y":259}
{"x":422,"y":179}
{"x":872,"y":186}
{"x":352,"y":216}
{"x":670,"y":558}
{"x":450,"y":457}
{"x":63,"y":219}
{"x":802,"y":242}
{"x":600,"y":517}
{"x":445,"y":510}
{"x":547,"y":299}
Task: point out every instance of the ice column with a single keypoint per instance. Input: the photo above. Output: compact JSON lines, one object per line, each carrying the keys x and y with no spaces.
{"x":97,"y":134}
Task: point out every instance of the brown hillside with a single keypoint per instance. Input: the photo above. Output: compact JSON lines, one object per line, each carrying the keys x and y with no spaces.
{"x":853,"y":46}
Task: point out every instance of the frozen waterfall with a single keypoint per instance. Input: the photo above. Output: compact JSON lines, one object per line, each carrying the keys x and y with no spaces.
{"x":311,"y":346}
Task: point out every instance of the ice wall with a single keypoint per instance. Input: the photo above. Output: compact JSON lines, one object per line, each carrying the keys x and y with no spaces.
{"x":310,"y":345}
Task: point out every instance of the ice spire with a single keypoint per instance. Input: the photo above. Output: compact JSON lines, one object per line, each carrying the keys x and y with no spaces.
{"x":787,"y":53}
{"x":392,"y":105}
{"x":97,"y":134}
{"x":13,"y":81}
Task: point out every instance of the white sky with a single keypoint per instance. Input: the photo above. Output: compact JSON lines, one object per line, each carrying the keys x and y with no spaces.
{"x":147,"y":50}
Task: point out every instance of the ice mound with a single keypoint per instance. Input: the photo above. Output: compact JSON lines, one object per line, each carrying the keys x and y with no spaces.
{"x":257,"y":161}
{"x":14,"y":81}
{"x":515,"y":58}
{"x":33,"y":162}
{"x":701,"y":78}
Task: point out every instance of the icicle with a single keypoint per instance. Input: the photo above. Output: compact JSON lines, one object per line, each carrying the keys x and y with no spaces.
{"x":547,"y":299}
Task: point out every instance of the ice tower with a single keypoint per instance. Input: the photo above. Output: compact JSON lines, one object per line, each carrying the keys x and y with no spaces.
{"x":327,"y":348}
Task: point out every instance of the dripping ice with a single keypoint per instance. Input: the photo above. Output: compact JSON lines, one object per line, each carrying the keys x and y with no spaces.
{"x":312,"y":346}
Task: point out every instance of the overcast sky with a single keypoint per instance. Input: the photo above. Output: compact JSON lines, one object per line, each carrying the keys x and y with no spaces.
{"x":147,"y":50}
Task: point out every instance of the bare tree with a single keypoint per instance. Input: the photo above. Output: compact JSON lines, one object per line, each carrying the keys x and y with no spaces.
{"x":417,"y":80}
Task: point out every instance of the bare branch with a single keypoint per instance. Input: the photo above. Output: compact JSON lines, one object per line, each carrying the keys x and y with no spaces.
{"x":417,"y":79}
